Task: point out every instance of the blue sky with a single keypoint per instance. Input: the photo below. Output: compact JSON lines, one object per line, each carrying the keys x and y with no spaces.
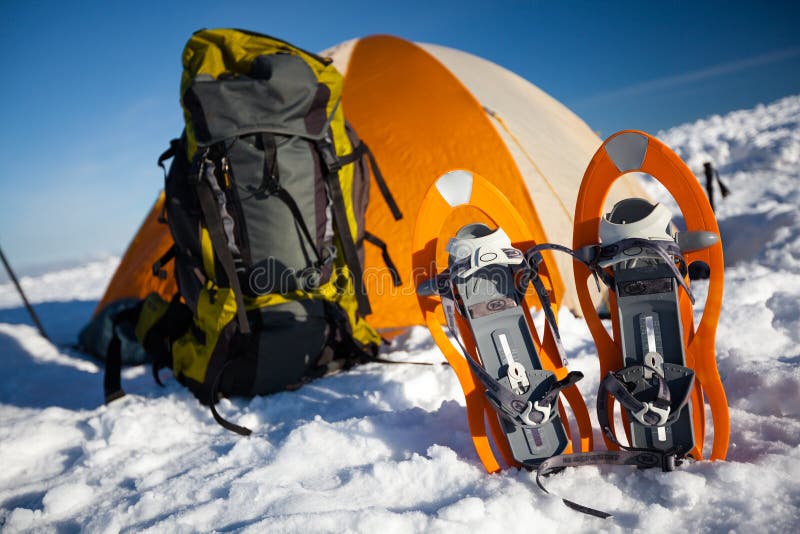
{"x":90,"y":89}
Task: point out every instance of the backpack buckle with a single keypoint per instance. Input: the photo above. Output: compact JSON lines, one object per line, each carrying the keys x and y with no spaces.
{"x":327,"y":255}
{"x":198,"y":165}
{"x":328,"y":153}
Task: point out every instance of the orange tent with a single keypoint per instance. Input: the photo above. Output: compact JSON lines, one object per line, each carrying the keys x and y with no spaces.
{"x":425,"y":110}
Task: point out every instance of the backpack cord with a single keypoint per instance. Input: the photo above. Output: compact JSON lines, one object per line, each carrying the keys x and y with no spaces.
{"x":384,"y":188}
{"x":241,"y":430}
{"x":387,"y":259}
{"x":359,"y":152}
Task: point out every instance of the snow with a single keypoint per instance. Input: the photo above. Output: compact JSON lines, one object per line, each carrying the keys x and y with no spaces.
{"x":386,"y":447}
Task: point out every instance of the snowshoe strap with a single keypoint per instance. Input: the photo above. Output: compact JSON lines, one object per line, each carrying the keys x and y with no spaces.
{"x":597,"y":257}
{"x":667,"y":251}
{"x":660,"y":412}
{"x":585,"y":255}
{"x":523,"y":410}
{"x":466,"y":266}
{"x":653,"y":413}
{"x":643,"y":459}
{"x":533,"y":259}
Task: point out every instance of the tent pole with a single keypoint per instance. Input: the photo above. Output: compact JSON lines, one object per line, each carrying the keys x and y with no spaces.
{"x":28,"y":306}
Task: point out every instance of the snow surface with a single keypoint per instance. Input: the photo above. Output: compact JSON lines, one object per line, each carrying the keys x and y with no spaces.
{"x":386,"y":447}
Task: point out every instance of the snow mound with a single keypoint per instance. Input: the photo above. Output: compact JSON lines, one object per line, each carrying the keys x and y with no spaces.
{"x":386,"y":447}
{"x":87,"y":282}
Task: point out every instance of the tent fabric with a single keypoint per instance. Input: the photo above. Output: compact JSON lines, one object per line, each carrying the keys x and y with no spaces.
{"x":134,"y":275}
{"x":549,"y":146}
{"x":420,"y":121}
{"x":425,"y":110}
{"x":549,"y":143}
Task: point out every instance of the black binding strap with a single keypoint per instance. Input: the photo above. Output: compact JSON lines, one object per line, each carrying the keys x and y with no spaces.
{"x":638,"y":457}
{"x":668,"y":251}
{"x":241,"y":430}
{"x":387,"y":259}
{"x":534,"y":259}
{"x":220,"y":244}
{"x":521,"y":409}
{"x":614,"y":384}
{"x":592,"y":255}
{"x":586,"y":255}
{"x":332,"y":166}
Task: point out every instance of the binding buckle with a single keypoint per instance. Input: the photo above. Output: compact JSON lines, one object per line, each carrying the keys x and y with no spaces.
{"x":650,"y":408}
{"x":544,"y":410}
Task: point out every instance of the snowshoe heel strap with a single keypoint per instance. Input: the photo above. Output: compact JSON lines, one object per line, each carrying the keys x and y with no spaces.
{"x":533,"y":409}
{"x":648,"y":404}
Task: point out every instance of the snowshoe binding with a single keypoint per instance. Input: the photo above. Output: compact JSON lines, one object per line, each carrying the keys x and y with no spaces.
{"x":654,"y":385}
{"x":633,"y":251}
{"x":657,"y":364}
{"x":507,"y":372}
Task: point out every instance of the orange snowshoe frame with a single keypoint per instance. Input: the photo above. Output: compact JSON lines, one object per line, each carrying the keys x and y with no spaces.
{"x":635,"y":151}
{"x":482,"y":200}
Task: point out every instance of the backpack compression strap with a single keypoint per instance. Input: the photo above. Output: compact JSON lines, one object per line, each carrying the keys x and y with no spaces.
{"x":363,"y":150}
{"x":270,"y":185}
{"x":332,"y":167}
{"x":219,"y":241}
{"x":387,"y":259}
{"x":359,"y":152}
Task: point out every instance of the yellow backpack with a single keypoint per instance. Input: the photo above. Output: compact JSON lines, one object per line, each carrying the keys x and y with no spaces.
{"x":265,"y":200}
